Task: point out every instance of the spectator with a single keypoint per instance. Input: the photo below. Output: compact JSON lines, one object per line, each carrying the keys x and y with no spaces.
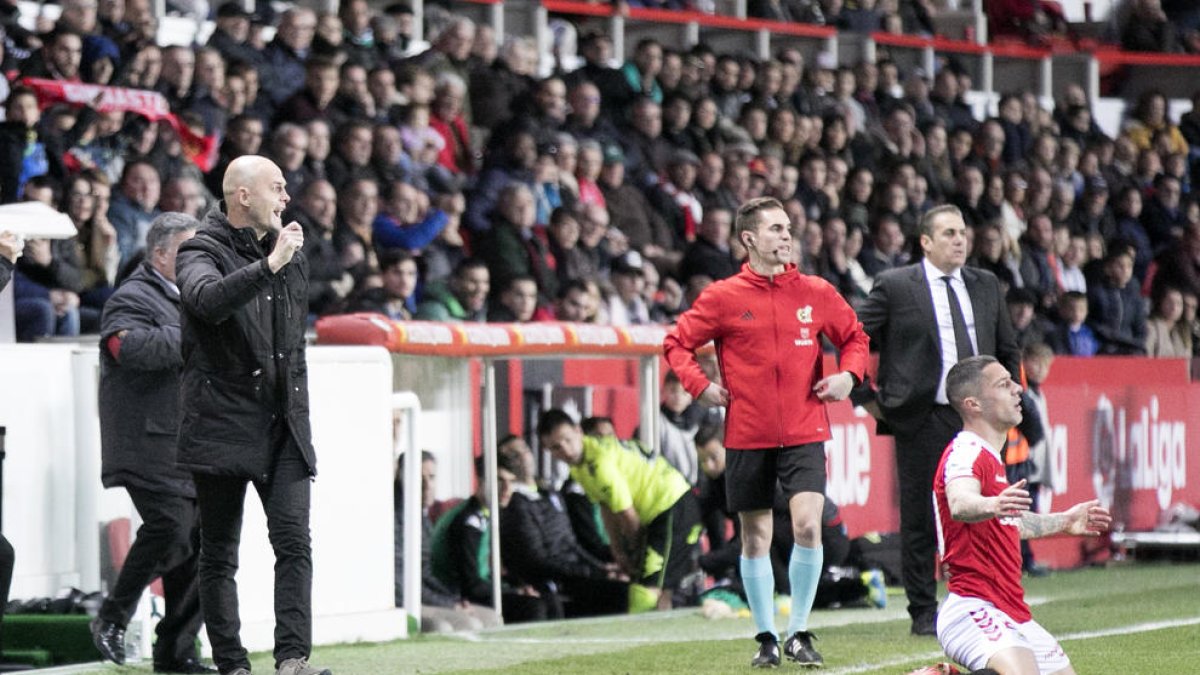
{"x":632,"y":213}
{"x":442,"y":610}
{"x":328,"y":282}
{"x":1163,"y":339}
{"x":1163,"y":218}
{"x":48,"y":281}
{"x":183,"y":194}
{"x":358,"y":40}
{"x":244,"y":135}
{"x":886,"y":248}
{"x":1038,"y":261}
{"x":539,"y":547}
{"x":462,"y":298}
{"x":407,"y":221}
{"x":354,"y":235}
{"x":1179,"y":266}
{"x":679,"y":420}
{"x":59,"y":58}
{"x":311,"y":101}
{"x":1027,"y":326}
{"x":710,"y":253}
{"x":287,"y":54}
{"x":351,"y":160}
{"x":517,"y":303}
{"x":450,"y":54}
{"x":450,"y":123}
{"x":395,"y":297}
{"x":289,"y":148}
{"x":512,"y":160}
{"x":135,"y":206}
{"x":507,"y":80}
{"x":627,"y":305}
{"x":461,"y":556}
{"x":574,"y":303}
{"x":1115,"y":309}
{"x":570,"y":261}
{"x":1148,"y":30}
{"x":23,"y":150}
{"x":510,"y":246}
{"x":1149,"y":118}
{"x":231,"y":34}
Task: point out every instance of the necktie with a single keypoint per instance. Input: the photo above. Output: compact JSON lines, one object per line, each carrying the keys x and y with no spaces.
{"x":962,"y":339}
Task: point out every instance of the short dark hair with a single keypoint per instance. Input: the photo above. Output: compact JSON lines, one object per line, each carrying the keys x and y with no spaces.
{"x":963,"y":381}
{"x":746,"y":219}
{"x":589,"y":425}
{"x":551,"y":420}
{"x":466,"y":265}
{"x":927,"y":219}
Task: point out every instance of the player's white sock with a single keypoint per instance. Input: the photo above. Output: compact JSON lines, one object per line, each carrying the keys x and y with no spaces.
{"x":759,"y":582}
{"x":804,"y":572}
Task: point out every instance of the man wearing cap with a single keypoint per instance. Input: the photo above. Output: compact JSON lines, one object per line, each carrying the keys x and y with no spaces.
{"x":767,"y":324}
{"x":627,"y":306}
{"x":631,"y":212}
{"x":678,"y":200}
{"x":231,"y":35}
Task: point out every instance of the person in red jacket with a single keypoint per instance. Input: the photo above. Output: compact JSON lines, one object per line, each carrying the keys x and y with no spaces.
{"x":767,"y":322}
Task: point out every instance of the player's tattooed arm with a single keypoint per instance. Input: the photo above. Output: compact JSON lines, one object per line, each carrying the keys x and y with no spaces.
{"x":1085,"y":518}
{"x":1036,"y":525}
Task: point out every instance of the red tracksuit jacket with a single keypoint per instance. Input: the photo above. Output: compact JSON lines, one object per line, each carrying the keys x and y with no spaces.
{"x":767,"y":336}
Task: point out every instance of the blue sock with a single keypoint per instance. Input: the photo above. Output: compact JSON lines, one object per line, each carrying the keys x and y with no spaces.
{"x":759,"y":582}
{"x":804,"y":571}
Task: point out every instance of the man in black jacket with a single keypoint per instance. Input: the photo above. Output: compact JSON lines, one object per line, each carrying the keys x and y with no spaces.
{"x":245,"y":405}
{"x":538,"y":546}
{"x":139,"y":423}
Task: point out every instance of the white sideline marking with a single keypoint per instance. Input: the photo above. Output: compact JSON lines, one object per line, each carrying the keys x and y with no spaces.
{"x":1135,"y":628}
{"x":850,"y":670}
{"x":1084,"y":635}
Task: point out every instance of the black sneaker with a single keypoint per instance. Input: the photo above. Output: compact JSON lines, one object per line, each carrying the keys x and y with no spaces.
{"x":109,"y":639}
{"x":768,"y":651}
{"x":799,"y":648}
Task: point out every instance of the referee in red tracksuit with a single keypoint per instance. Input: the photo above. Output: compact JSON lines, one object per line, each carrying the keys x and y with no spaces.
{"x":767,"y":323}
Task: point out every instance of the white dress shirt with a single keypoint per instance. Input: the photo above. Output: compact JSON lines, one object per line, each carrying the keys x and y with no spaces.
{"x":945,"y":324}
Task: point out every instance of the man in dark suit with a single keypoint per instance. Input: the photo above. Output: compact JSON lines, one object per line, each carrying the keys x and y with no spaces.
{"x":921,"y":322}
{"x":140,"y":361}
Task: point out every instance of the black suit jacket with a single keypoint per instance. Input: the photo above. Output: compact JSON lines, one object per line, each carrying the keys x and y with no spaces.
{"x":899,"y":316}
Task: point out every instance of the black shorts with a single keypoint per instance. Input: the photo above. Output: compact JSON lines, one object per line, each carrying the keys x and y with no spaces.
{"x":751,"y":475}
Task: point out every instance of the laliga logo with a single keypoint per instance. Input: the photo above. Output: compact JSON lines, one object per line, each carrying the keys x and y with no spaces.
{"x":1147,"y":455}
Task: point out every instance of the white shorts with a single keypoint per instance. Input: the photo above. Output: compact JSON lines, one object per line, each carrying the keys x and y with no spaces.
{"x":971,"y":631}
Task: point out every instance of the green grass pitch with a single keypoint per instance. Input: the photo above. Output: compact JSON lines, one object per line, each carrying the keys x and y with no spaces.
{"x":1129,"y":619}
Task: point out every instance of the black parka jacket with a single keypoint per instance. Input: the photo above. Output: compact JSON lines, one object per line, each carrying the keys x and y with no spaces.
{"x":244,"y":367}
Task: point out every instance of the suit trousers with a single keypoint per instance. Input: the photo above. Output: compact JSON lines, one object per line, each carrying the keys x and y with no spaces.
{"x":167,"y":546}
{"x":285,"y":499}
{"x":917,"y":457}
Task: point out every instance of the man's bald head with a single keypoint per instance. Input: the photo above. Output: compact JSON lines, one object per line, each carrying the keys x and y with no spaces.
{"x":243,"y":172}
{"x":255,"y":194}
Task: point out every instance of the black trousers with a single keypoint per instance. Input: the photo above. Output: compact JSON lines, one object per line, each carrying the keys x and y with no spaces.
{"x":285,"y":499}
{"x":917,"y":457}
{"x":167,"y":546}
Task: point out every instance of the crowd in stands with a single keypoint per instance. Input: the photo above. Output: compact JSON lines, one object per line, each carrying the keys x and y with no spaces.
{"x":455,"y":184}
